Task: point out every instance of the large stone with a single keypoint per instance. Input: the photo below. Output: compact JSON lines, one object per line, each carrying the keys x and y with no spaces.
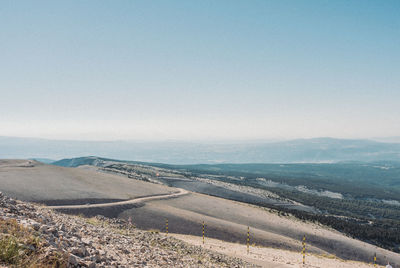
{"x":80,"y":251}
{"x":86,"y":241}
{"x":72,"y":260}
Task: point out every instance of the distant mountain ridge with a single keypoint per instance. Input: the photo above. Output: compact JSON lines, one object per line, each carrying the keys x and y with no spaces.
{"x":317,"y":150}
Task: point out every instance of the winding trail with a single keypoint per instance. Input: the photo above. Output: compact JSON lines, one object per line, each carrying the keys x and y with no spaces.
{"x":126,"y":202}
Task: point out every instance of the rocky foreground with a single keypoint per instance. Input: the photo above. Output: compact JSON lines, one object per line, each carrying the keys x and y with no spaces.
{"x":35,"y":236}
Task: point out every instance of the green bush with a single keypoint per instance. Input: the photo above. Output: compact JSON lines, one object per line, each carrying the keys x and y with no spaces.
{"x":9,"y":250}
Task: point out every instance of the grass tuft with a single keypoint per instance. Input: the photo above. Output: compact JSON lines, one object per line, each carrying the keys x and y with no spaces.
{"x":22,"y":247}
{"x":9,"y":250}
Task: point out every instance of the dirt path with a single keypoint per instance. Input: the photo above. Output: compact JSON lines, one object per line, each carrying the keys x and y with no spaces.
{"x":270,"y":257}
{"x":127,"y":202}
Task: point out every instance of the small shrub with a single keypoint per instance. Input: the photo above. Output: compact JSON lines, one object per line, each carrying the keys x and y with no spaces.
{"x":93,"y":221}
{"x":21,"y":247}
{"x":9,"y":250}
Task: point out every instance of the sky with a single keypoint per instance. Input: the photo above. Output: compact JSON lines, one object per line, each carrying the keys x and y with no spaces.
{"x":199,"y":70}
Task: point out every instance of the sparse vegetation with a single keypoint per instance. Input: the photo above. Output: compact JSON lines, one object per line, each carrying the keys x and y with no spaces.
{"x":9,"y":250}
{"x":94,"y":221}
{"x":21,"y":247}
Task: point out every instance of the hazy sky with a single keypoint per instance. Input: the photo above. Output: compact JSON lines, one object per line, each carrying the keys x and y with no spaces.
{"x":199,"y":69}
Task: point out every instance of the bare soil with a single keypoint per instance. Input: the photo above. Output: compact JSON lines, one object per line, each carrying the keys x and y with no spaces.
{"x":34,"y":181}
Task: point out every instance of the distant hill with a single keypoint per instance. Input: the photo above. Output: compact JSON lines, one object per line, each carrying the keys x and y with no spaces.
{"x":318,"y":150}
{"x":388,"y":139}
{"x":79,"y":161}
{"x":379,"y":180}
{"x":44,"y":160}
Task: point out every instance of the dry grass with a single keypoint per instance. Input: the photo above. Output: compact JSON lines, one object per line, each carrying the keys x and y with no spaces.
{"x":154,"y":231}
{"x":327,"y":256}
{"x":94,"y":221}
{"x":21,"y":247}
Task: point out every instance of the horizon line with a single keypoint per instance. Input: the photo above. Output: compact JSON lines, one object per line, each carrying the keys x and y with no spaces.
{"x":207,"y":140}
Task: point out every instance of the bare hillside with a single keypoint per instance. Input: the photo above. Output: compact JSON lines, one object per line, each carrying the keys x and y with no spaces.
{"x":33,"y":181}
{"x":228,"y":220}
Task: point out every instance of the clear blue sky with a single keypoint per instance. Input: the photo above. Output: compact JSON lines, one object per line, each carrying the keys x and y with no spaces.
{"x":199,"y":69}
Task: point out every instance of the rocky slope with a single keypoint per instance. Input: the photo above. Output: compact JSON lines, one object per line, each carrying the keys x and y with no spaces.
{"x":34,"y":236}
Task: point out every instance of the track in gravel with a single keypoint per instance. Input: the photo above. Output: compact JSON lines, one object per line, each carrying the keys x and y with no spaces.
{"x":126,"y":202}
